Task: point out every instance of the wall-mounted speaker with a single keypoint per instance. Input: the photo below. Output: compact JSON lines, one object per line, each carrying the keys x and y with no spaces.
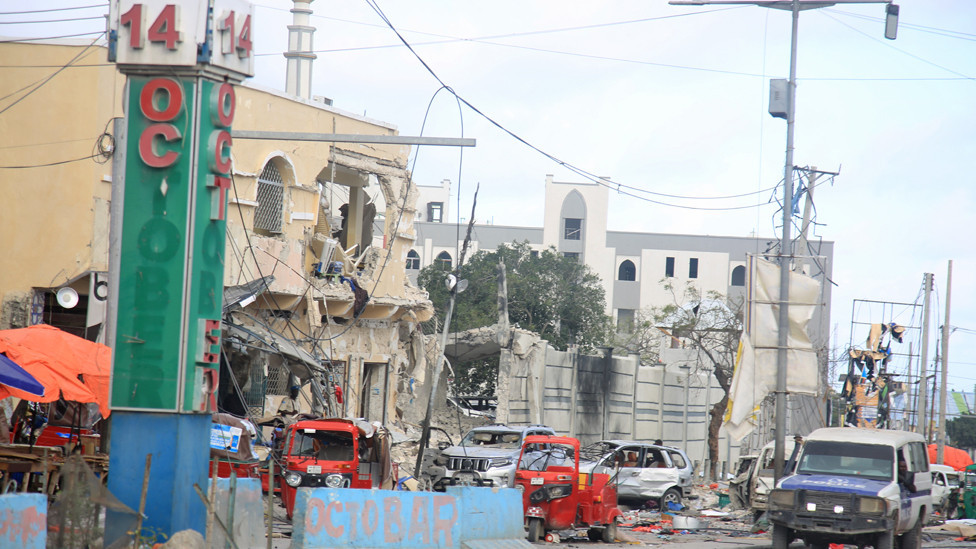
{"x":67,"y":298}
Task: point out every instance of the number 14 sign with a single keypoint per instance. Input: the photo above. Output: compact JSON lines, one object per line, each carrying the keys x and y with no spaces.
{"x":182,"y":33}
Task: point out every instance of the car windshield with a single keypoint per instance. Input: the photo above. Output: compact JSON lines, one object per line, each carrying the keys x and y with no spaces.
{"x":326,"y":445}
{"x":501,"y":439}
{"x":847,"y":459}
{"x":541,"y":457}
{"x":596,"y":451}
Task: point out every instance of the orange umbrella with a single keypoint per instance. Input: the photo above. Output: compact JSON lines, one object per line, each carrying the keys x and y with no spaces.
{"x":953,"y":457}
{"x":56,"y":358}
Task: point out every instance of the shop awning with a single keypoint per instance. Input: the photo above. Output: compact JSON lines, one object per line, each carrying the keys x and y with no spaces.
{"x":300,"y":362}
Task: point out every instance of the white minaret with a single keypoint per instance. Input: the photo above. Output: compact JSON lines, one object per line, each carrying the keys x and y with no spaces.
{"x":298,"y":78}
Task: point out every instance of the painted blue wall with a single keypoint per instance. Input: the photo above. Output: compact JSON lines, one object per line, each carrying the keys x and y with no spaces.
{"x":23,"y":521}
{"x":331,"y":517}
{"x":180,"y":448}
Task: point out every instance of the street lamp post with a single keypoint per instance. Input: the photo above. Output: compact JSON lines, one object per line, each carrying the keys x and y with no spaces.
{"x":786,"y":244}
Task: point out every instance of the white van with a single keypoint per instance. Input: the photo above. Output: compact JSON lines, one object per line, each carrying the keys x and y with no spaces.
{"x":854,"y":486}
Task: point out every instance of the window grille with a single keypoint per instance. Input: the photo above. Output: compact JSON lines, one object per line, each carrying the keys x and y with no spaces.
{"x":277,"y":379}
{"x":255,"y":390}
{"x":271,"y":193}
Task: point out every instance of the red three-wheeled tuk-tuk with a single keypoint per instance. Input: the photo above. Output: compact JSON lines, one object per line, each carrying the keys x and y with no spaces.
{"x":556,"y":496}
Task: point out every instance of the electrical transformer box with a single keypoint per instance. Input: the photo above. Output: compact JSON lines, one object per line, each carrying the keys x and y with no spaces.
{"x":779,"y":97}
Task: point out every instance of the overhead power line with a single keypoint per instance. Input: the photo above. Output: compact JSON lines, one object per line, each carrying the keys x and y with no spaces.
{"x":12,"y":40}
{"x":57,"y":163}
{"x":54,"y":9}
{"x":55,"y":73}
{"x":620,"y":188}
{"x":53,"y":20}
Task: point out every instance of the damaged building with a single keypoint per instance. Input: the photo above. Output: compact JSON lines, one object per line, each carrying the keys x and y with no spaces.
{"x":316,"y":292}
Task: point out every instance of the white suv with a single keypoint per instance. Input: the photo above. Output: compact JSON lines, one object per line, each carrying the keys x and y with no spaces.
{"x":486,"y":456}
{"x":857,"y":487}
{"x":640,"y":470}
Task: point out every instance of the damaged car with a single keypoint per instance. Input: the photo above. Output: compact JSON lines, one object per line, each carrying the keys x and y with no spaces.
{"x":642,"y":471}
{"x":486,"y":456}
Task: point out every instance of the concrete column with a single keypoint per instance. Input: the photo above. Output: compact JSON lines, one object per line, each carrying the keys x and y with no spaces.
{"x":354,"y":222}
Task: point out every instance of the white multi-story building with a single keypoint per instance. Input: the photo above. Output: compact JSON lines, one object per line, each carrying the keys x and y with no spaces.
{"x":631,"y":265}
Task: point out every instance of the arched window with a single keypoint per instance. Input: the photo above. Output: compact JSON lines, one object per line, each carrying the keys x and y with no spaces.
{"x":739,"y":276}
{"x":413,"y":260}
{"x":627,"y":271}
{"x":269,"y":215}
{"x":444,"y":260}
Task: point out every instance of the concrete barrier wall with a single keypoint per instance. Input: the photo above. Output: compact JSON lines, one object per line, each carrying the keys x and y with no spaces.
{"x":334,"y":517}
{"x":23,"y":521}
{"x":248,"y":528}
{"x":593,"y":398}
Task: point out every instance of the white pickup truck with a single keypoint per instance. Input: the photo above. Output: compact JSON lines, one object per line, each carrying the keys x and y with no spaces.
{"x":854,"y":486}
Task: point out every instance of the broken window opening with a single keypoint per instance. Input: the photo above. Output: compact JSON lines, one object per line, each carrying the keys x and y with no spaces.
{"x":435,"y":212}
{"x":693,"y":267}
{"x":669,"y":267}
{"x":413,"y":260}
{"x":573,"y":228}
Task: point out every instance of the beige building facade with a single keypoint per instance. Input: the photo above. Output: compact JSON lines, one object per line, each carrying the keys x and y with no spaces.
{"x":316,"y":292}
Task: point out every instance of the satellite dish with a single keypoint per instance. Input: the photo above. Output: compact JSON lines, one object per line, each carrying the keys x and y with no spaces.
{"x":452,"y":281}
{"x":67,"y":298}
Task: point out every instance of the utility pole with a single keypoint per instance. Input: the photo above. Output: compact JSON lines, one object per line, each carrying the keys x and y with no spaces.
{"x":940,"y":456}
{"x":924,"y":361}
{"x":812,"y":176}
{"x":786,"y":243}
{"x":455,"y":285}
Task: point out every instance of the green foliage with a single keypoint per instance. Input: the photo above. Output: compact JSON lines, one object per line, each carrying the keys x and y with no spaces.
{"x":962,"y":431}
{"x":476,"y":377}
{"x":555,"y":296}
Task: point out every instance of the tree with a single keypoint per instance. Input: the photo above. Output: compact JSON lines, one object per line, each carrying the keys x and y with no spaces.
{"x":553,"y":295}
{"x":709,"y":326}
{"x":962,"y":431}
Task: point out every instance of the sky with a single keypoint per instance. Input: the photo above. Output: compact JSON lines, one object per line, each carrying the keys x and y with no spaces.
{"x":673,"y":100}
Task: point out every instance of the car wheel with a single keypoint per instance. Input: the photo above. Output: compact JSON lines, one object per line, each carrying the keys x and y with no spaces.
{"x":912,"y":539}
{"x":782,"y":537}
{"x":536,"y":530}
{"x":672,"y":495}
{"x":885,"y":540}
{"x":610,"y":532}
